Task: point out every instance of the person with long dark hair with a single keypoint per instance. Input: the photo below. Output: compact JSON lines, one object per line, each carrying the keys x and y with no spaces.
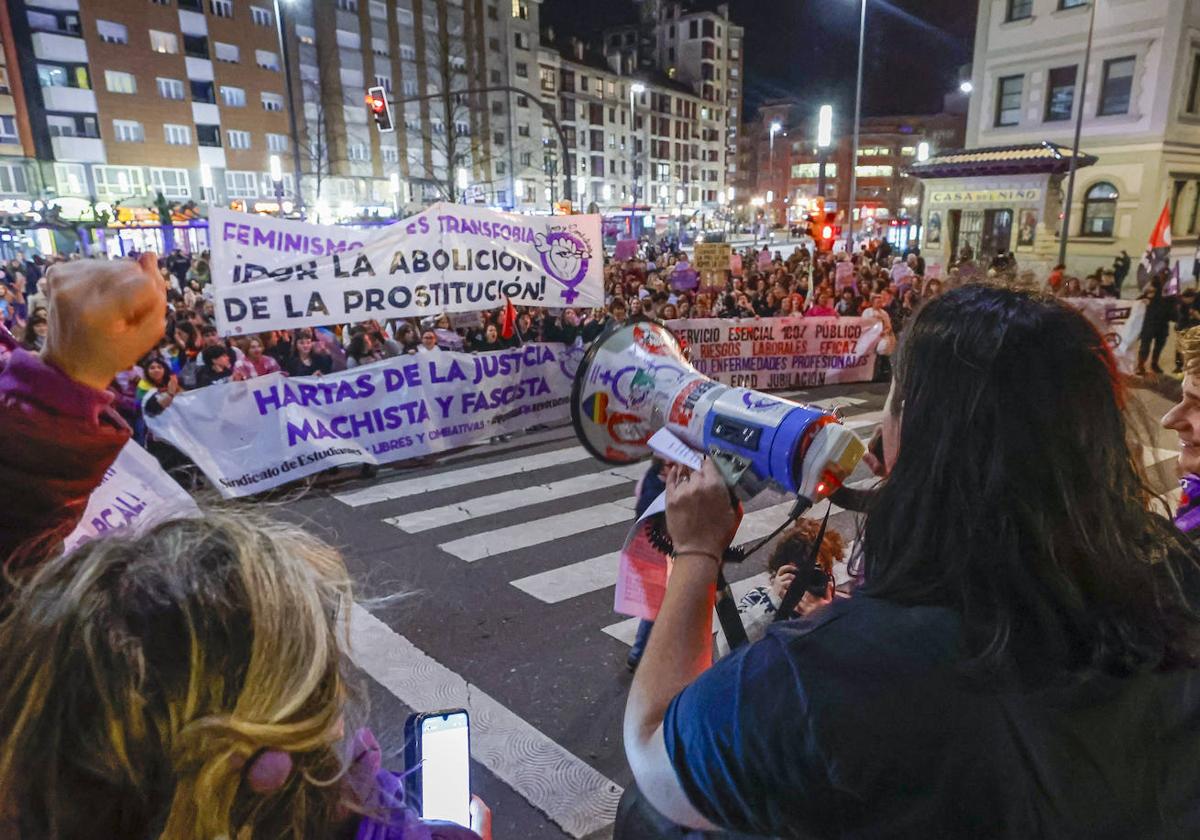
{"x":1022,"y":658}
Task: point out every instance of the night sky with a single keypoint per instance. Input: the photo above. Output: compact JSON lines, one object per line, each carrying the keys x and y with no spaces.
{"x":807,"y":49}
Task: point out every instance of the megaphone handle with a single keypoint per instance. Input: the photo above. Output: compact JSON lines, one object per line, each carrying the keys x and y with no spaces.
{"x":728,"y":615}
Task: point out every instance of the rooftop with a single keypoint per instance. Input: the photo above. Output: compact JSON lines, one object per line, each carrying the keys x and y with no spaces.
{"x":1031,"y":158}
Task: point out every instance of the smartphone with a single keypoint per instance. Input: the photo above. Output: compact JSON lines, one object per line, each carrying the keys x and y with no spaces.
{"x":437,"y":748}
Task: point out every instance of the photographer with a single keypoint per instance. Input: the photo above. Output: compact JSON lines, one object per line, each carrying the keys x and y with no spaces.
{"x":1022,"y":658}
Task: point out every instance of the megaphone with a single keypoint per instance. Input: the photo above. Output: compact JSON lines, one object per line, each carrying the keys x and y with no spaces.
{"x":636,"y":380}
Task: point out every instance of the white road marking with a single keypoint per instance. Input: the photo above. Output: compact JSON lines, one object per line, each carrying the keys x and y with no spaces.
{"x":538,"y":531}
{"x":573,"y":580}
{"x":461,"y":477}
{"x":423,"y":520}
{"x":570,"y":792}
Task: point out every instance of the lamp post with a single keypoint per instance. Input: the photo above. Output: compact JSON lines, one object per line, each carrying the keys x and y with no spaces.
{"x":636,"y":89}
{"x":394,"y":183}
{"x":922,"y":156}
{"x":862,"y":34}
{"x":277,"y":180}
{"x":1087,"y":61}
{"x":775,"y":128}
{"x":824,"y":141}
{"x":292,"y":124}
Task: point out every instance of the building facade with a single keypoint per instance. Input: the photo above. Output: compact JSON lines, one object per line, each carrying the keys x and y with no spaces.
{"x":1141,"y":116}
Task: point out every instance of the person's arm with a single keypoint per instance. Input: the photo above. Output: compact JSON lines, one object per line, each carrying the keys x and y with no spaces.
{"x":701,"y":522}
{"x":60,"y":431}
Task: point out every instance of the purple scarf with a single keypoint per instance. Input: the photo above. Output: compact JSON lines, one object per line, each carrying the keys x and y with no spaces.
{"x":1187,"y":517}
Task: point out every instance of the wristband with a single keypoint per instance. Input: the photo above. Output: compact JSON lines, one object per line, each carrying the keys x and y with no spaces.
{"x":715,"y":558}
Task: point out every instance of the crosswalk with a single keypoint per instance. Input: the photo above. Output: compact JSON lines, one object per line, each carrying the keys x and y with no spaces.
{"x":512,"y":508}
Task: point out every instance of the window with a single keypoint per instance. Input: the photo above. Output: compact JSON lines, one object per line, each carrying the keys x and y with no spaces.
{"x":267,"y":60}
{"x":521,"y":40}
{"x":358,"y":152}
{"x":520,"y":9}
{"x":390,"y":154}
{"x":233,"y":97}
{"x":112,"y":33}
{"x":501,"y":167}
{"x":1193,"y":100}
{"x":177,"y":135}
{"x":12,"y":178}
{"x":169,"y":88}
{"x":118,"y":181}
{"x":8,"y":129}
{"x":277,"y":142}
{"x":493,"y":13}
{"x":498,"y":138}
{"x":1008,"y":100}
{"x":694,"y":29}
{"x":522,"y":70}
{"x":163,"y":42}
{"x":241,"y":184}
{"x":228,"y":53}
{"x":1071,"y":4}
{"x":408,"y":52}
{"x":523,"y":130}
{"x":1117,"y":88}
{"x":260,"y":16}
{"x":203,"y":92}
{"x":128,"y":131}
{"x":1060,"y":94}
{"x":71,"y":178}
{"x":871,"y":171}
{"x":377,"y":10}
{"x":195,"y":45}
{"x":1100,"y":210}
{"x":238,"y":139}
{"x":1019,"y":9}
{"x":526,"y":159}
{"x":379,"y":46}
{"x":208,"y":135}
{"x":221,"y":8}
{"x":307,"y":35}
{"x":272,"y":102}
{"x":119,"y":82}
{"x":384,"y":82}
{"x":348,"y":5}
{"x":813,"y":170}
{"x":172,"y":183}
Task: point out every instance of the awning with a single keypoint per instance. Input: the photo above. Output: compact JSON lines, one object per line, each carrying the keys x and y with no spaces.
{"x":1034,"y":158}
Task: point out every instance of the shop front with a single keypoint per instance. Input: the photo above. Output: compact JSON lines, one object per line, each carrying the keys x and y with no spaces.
{"x":990,"y":201}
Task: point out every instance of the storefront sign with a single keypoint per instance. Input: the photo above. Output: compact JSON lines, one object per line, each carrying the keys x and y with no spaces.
{"x":969,"y":197}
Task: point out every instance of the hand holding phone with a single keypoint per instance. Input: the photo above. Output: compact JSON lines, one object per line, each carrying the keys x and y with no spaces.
{"x":438,"y":758}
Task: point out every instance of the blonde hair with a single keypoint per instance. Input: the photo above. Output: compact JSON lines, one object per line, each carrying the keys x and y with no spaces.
{"x":1189,"y":348}
{"x":139,"y":676}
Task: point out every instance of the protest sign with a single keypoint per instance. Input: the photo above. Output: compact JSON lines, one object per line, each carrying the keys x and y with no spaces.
{"x":1119,"y":321}
{"x":134,"y":494}
{"x":260,"y":433}
{"x":712,"y":260}
{"x":278,"y":274}
{"x":771,"y":354}
{"x":843,"y":276}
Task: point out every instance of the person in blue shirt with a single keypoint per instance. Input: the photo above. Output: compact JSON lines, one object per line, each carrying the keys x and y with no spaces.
{"x":1022,"y":657}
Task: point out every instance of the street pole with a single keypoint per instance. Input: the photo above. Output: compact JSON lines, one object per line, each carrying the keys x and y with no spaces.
{"x":1087,"y":61}
{"x":292,"y":124}
{"x":635,"y":89}
{"x":862,"y":35}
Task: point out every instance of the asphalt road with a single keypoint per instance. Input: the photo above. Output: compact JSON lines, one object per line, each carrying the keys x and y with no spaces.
{"x":496,"y":567}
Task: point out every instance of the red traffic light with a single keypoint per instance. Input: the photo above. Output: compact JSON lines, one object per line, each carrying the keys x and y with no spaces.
{"x":380,"y":109}
{"x":377,"y":103}
{"x":827,"y":232}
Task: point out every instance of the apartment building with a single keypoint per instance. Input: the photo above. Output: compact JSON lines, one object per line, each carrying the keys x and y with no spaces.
{"x":1141,"y":121}
{"x":16,"y":149}
{"x":640,"y":144}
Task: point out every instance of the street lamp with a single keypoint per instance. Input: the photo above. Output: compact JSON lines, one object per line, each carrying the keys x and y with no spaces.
{"x":206,"y":183}
{"x":636,"y":89}
{"x":292,"y":125}
{"x":394,"y":183}
{"x":277,"y":179}
{"x":824,"y":141}
{"x":966,"y":87}
{"x":460,"y":179}
{"x":862,"y":35}
{"x":1087,"y":63}
{"x":922,"y":156}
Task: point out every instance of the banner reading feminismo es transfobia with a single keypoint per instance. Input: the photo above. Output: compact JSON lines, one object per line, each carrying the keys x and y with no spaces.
{"x":261,"y":433}
{"x":773,"y":354}
{"x":278,"y":274}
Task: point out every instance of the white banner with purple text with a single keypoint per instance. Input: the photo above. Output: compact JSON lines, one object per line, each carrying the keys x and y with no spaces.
{"x":261,"y":433}
{"x":273,"y":274}
{"x":776,"y":354}
{"x":1119,"y":321}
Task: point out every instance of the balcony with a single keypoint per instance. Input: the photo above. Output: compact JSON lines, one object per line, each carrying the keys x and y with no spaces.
{"x":59,"y":5}
{"x":69,"y":99}
{"x":199,"y":69}
{"x":192,"y":23}
{"x":205,"y":114}
{"x":213,"y":156}
{"x":78,"y":149}
{"x":68,"y":49}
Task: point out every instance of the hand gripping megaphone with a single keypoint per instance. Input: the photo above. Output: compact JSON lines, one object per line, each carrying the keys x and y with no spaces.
{"x":636,"y":380}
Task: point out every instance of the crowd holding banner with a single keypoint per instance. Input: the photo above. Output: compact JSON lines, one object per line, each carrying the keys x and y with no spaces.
{"x":273,"y":274}
{"x":261,"y":433}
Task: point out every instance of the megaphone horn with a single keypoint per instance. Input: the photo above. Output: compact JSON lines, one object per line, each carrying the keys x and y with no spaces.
{"x":636,"y":380}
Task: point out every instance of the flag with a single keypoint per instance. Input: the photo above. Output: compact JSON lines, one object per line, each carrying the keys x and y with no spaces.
{"x":1157,"y":257}
{"x":508,"y":320}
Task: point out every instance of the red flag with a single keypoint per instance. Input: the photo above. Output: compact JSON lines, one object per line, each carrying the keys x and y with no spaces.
{"x":508,"y":320}
{"x":1161,"y":236}
{"x":1158,"y":252}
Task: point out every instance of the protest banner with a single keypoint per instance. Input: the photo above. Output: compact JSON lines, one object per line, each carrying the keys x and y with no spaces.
{"x":1119,"y":321}
{"x":278,"y":274}
{"x":261,"y":433}
{"x":134,"y":494}
{"x":771,"y":354}
{"x":712,"y":260}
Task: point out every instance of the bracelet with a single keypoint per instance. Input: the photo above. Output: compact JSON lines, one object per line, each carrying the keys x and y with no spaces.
{"x":707,"y":554}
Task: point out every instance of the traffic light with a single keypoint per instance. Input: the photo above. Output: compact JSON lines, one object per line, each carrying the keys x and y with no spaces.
{"x":380,"y":109}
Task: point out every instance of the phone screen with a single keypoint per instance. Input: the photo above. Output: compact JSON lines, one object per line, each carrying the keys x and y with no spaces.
{"x":446,"y":768}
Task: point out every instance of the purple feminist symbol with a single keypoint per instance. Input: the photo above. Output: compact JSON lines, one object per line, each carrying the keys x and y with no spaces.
{"x":565,"y":257}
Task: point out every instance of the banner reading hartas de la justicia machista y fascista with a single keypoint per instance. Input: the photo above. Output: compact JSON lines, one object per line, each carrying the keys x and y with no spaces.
{"x":773,"y":354}
{"x":264,"y":432}
{"x":279,"y":274}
